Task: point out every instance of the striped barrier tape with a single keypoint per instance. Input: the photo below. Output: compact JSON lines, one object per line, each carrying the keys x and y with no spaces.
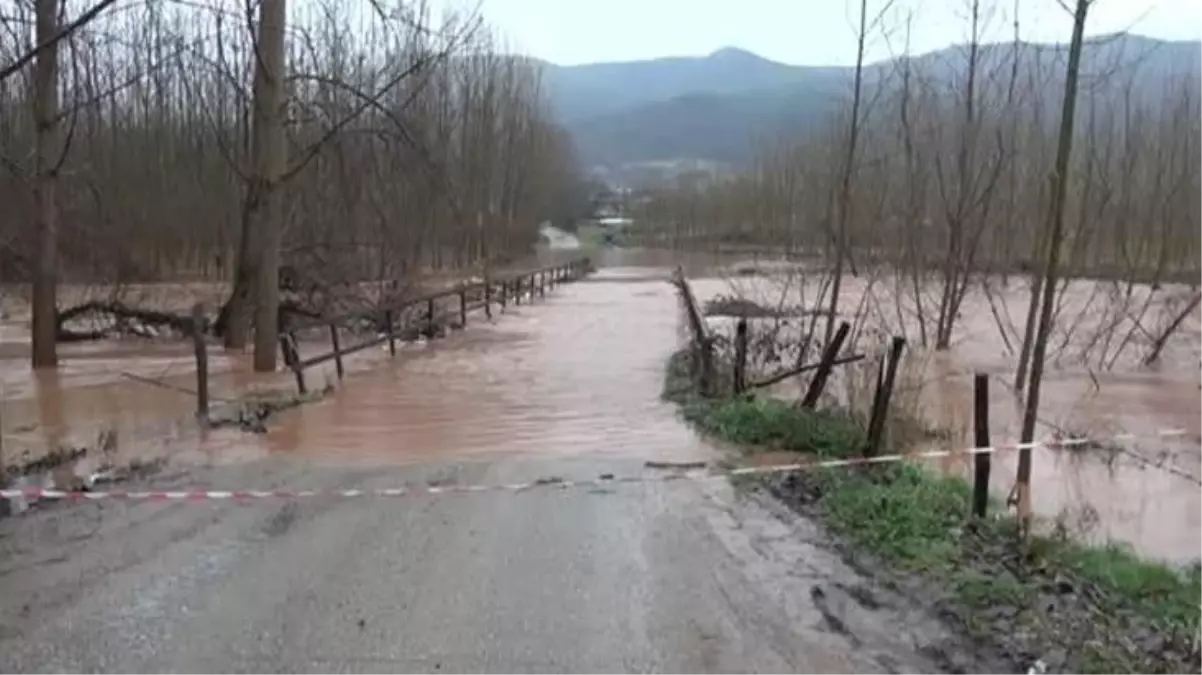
{"x":605,"y":479}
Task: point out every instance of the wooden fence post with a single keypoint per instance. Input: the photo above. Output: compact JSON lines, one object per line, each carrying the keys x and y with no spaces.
{"x":824,"y":366}
{"x":982,"y":461}
{"x":202,"y":363}
{"x":487,"y":299}
{"x":462,"y":307}
{"x":517,"y":295}
{"x":390,"y":331}
{"x":542,"y":283}
{"x":504,"y":294}
{"x":880,"y":402}
{"x":337,"y":349}
{"x":292,"y":359}
{"x":740,"y":383}
{"x":430,"y":318}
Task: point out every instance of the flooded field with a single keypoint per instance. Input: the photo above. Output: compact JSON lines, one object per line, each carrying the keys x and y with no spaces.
{"x":1095,"y":492}
{"x":580,"y":374}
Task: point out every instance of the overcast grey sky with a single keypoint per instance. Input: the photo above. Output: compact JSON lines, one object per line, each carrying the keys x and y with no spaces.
{"x":808,"y":32}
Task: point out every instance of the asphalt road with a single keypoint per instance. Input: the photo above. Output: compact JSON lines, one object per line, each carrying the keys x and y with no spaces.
{"x":677,"y":576}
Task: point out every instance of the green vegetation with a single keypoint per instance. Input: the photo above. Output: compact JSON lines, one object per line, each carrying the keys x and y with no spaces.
{"x":1092,"y":608}
{"x":761,"y":422}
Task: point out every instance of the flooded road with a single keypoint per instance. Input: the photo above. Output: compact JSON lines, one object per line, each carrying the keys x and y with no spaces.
{"x":679,"y":576}
{"x":578,"y":373}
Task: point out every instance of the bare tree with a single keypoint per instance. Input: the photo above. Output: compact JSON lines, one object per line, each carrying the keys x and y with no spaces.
{"x":843,"y":201}
{"x":1058,"y":184}
{"x":264,"y":202}
{"x":47,"y":160}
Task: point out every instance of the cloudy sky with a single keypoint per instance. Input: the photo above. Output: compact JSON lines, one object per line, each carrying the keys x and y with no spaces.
{"x":808,"y":32}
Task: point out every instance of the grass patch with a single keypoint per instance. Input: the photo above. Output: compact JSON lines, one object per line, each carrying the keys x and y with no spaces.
{"x":899,"y":512}
{"x":1077,"y":607}
{"x":762,"y":423}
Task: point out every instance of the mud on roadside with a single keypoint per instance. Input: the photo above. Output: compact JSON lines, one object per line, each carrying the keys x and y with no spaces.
{"x":1021,"y":608}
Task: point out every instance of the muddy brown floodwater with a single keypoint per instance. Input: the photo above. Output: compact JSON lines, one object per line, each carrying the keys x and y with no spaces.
{"x":577,"y":373}
{"x":1098,"y":493}
{"x":580,"y":373}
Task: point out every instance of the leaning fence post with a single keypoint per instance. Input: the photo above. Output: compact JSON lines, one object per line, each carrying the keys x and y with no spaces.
{"x":202,"y":363}
{"x":982,"y":461}
{"x":337,"y":349}
{"x":880,"y":407}
{"x":391,"y":333}
{"x":292,"y":359}
{"x":824,"y":366}
{"x":740,"y":374}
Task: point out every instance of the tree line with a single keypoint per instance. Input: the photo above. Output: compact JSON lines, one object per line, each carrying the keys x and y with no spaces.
{"x":168,"y":140}
{"x":940,"y":168}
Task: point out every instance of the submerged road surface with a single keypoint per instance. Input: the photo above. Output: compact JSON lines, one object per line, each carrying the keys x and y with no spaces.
{"x":656,"y":576}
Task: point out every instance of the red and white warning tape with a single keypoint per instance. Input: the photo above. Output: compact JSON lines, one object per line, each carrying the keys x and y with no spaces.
{"x":695,"y":474}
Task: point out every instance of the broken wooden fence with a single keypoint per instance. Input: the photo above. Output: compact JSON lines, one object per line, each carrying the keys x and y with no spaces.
{"x":705,"y":368}
{"x":705,"y":371}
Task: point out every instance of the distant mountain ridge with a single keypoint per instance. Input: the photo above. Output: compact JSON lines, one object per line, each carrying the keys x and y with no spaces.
{"x":718,"y":107}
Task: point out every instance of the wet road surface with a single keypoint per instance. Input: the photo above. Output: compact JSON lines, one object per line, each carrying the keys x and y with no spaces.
{"x":667,"y":576}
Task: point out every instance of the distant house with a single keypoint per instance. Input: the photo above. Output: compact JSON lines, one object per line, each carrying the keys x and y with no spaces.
{"x":615,"y":222}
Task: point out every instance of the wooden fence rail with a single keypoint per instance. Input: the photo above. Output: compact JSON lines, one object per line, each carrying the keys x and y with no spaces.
{"x":490,"y":291}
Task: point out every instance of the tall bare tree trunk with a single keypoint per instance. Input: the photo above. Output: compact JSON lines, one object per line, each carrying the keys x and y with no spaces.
{"x":844,"y":203}
{"x":957,"y":263}
{"x":237,"y":308}
{"x":263,"y":211}
{"x":45,"y":119}
{"x":1055,"y":230}
{"x":1024,"y":356}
